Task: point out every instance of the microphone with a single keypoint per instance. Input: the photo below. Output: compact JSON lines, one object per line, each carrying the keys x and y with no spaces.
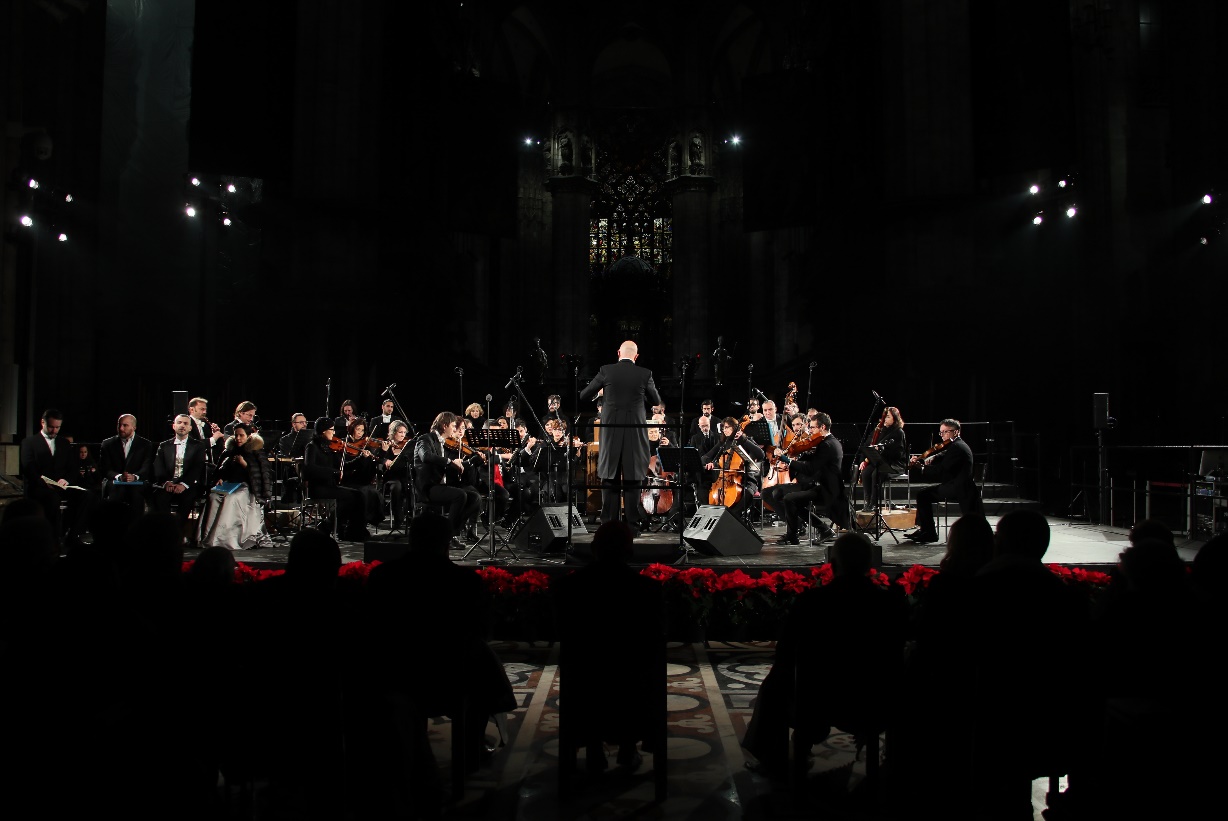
{"x":388,"y":389}
{"x":514,"y":378}
{"x":876,"y":396}
{"x":489,"y":397}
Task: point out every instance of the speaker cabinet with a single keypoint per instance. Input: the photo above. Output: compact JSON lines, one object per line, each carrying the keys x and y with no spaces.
{"x":546,"y":531}
{"x":1100,"y":411}
{"x":714,"y":531}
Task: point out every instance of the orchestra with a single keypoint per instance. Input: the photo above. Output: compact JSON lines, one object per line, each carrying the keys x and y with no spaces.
{"x":378,"y":470}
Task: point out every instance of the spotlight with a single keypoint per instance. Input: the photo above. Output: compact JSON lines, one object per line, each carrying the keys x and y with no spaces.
{"x":63,"y":238}
{"x":190,"y":211}
{"x":1206,"y":198}
{"x":1071,"y":211}
{"x":226,"y":221}
{"x":736,"y":140}
{"x":1035,"y":189}
{"x":1202,"y":240}
{"x":1061,"y":183}
{"x":34,"y":183}
{"x":528,"y":140}
{"x":1038,"y":219}
{"x":26,"y":221}
{"x":68,"y":198}
{"x":231,"y":188}
{"x":195,"y":181}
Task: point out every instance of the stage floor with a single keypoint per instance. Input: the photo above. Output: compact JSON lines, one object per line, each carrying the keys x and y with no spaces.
{"x":1072,"y":542}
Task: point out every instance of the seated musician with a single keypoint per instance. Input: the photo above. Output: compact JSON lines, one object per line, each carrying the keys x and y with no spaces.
{"x":556,"y":447}
{"x":291,"y":446}
{"x":439,"y":469}
{"x":321,"y":471}
{"x":818,"y":481}
{"x":894,"y":449}
{"x":525,"y":484}
{"x":245,"y":414}
{"x":489,"y":474}
{"x":394,"y":458}
{"x":734,"y":440}
{"x":358,"y":471}
{"x":475,"y":414}
{"x":952,"y":469}
{"x":703,"y":441}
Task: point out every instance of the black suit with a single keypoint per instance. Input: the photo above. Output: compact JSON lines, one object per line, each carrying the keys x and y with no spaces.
{"x":192,"y":475}
{"x":952,"y":469}
{"x":431,"y":469}
{"x":38,"y":461}
{"x":213,"y":447}
{"x":139,"y":461}
{"x":819,"y":481}
{"x":622,"y":459}
{"x":320,"y":467}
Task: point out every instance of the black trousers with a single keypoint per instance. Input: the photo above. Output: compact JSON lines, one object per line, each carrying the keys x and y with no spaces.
{"x":462,"y":502}
{"x":969,"y":502}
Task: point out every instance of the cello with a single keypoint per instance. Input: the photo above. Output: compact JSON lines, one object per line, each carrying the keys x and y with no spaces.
{"x":657,"y":498}
{"x":727,"y":489}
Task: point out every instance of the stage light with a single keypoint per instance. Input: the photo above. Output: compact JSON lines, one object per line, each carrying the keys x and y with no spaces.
{"x":26,"y":221}
{"x":1061,"y":183}
{"x":34,"y":183}
{"x":231,"y":188}
{"x":196,"y":181}
{"x":528,"y":140}
{"x":63,"y":237}
{"x":736,"y":140}
{"x":190,"y":211}
{"x":1206,"y":198}
{"x":1071,"y":211}
{"x":226,"y":221}
{"x":1038,"y":219}
{"x":1035,"y":189}
{"x":1202,"y":240}
{"x":68,"y":198}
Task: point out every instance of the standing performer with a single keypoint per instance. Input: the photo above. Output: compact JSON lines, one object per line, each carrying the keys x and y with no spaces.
{"x":381,"y":424}
{"x":622,"y":461}
{"x":952,"y":469}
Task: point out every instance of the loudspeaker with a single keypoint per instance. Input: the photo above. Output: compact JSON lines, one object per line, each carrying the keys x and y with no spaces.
{"x":1100,"y":410}
{"x":546,"y":531}
{"x":383,"y":551}
{"x":714,"y":531}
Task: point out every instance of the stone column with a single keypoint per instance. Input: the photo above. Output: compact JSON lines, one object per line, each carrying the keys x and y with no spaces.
{"x":692,"y":270}
{"x":571,"y":198}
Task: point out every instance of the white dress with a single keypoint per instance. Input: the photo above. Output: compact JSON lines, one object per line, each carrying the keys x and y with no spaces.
{"x":234,"y":520}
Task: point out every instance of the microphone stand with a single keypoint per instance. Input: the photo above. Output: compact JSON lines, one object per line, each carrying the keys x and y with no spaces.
{"x":810,"y":379}
{"x":328,"y":396}
{"x":515,"y":382}
{"x":494,"y":536}
{"x":396,"y":404}
{"x":460,"y":374}
{"x":854,"y":471}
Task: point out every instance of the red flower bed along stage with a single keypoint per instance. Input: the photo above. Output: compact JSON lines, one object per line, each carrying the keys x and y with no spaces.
{"x":700,"y":602}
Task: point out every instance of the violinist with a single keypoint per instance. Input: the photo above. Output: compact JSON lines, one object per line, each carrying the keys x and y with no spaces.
{"x":438,"y":469}
{"x":358,"y":470}
{"x":556,"y":457}
{"x":553,"y":403}
{"x":950,"y":465}
{"x":347,"y":416}
{"x":888,"y":439}
{"x":492,"y":466}
{"x":394,"y":459}
{"x":524,"y":482}
{"x":816,"y":469}
{"x":733,"y":439}
{"x":321,"y":473}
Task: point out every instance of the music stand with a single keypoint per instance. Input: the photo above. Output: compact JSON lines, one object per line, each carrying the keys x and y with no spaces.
{"x":681,"y":462}
{"x":493,"y":439}
{"x":878,"y":524}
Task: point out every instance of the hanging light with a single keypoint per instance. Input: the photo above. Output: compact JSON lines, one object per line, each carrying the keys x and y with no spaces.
{"x":26,"y":221}
{"x":1038,"y":219}
{"x":1035,"y":189}
{"x":190,"y":211}
{"x":63,"y":238}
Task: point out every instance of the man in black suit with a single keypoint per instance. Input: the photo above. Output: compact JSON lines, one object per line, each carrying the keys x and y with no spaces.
{"x":381,"y":423}
{"x":439,"y":479}
{"x":705,"y":412}
{"x":622,"y":460}
{"x":45,"y":454}
{"x":952,"y":469}
{"x":126,"y":457}
{"x":202,"y":430}
{"x":179,"y":472}
{"x":819,"y":482}
{"x":245,"y":414}
{"x":704,"y":440}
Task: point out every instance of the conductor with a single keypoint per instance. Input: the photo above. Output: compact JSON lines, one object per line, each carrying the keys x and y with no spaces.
{"x":622,"y":461}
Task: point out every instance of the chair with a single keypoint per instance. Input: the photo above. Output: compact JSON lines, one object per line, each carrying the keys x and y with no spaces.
{"x":313,"y":511}
{"x":978,"y":477}
{"x":387,"y":497}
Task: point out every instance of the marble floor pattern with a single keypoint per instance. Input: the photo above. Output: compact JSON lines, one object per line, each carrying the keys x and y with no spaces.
{"x":711,"y":686}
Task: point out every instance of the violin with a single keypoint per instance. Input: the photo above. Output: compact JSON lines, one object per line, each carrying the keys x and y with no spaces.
{"x":354,"y":447}
{"x":935,"y":449}
{"x":454,"y":444}
{"x":802,"y":443}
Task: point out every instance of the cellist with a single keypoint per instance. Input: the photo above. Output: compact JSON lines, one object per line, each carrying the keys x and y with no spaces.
{"x":888,"y":439}
{"x":734,"y":441}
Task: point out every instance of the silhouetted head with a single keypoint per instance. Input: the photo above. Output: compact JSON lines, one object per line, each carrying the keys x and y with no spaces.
{"x":1151,"y":529}
{"x":157,"y":546}
{"x":612,"y":542}
{"x":969,"y":544}
{"x":1152,"y":564}
{"x":315,"y":557}
{"x":214,"y":567}
{"x":430,"y":534}
{"x":850,"y":555}
{"x":1023,"y":533}
{"x":21,"y":509}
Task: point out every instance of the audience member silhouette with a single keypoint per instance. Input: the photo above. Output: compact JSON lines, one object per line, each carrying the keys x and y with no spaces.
{"x":459,"y":676}
{"x":1029,"y":633}
{"x":612,"y":632}
{"x":837,"y":661}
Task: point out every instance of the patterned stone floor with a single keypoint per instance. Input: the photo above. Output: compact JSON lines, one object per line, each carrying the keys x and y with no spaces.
{"x":711,"y":686}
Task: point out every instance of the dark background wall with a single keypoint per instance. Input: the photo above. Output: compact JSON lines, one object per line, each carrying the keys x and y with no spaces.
{"x":389,"y":224}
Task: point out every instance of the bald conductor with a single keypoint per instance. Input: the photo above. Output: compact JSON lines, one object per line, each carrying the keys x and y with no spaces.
{"x":622,"y":461}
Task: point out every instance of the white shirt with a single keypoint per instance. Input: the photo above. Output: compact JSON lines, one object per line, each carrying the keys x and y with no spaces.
{"x":50,"y":442}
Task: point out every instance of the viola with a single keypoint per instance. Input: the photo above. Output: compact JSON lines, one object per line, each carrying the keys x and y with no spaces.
{"x":802,"y":443}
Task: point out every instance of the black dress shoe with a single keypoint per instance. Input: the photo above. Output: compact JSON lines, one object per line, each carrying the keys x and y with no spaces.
{"x":921,"y":538}
{"x":457,"y":544}
{"x":787,"y":539}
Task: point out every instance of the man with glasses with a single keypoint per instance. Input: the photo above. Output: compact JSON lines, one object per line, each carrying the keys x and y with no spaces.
{"x":951,"y":469}
{"x":291,"y":446}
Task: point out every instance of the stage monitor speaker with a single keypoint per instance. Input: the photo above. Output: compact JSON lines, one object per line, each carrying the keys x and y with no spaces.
{"x":1100,"y":410}
{"x":546,"y":531}
{"x":714,"y":531}
{"x":383,"y":551}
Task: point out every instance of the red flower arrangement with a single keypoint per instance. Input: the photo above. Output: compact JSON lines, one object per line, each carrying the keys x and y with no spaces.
{"x":916,"y":579}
